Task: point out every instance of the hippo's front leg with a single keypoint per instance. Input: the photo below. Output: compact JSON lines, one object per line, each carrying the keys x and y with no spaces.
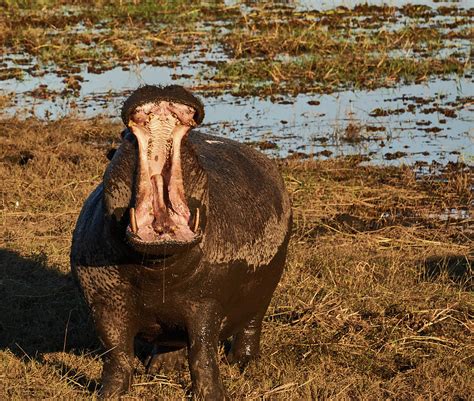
{"x":203,"y":326}
{"x":115,"y":328}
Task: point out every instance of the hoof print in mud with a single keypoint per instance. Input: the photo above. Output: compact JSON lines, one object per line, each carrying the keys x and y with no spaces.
{"x":182,"y":244}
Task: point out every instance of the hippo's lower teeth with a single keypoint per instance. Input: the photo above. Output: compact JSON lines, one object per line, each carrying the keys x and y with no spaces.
{"x":196,"y":221}
{"x":133,"y":221}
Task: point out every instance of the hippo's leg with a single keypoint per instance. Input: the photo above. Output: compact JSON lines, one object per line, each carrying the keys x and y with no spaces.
{"x":203,"y":325}
{"x":165,"y":360}
{"x":246,"y":343}
{"x":115,"y":332}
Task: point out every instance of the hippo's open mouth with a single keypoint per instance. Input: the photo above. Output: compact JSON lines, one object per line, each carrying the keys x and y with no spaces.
{"x":161,"y":215}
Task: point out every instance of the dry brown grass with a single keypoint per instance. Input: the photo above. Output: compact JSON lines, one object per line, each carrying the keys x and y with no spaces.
{"x":374,"y":304}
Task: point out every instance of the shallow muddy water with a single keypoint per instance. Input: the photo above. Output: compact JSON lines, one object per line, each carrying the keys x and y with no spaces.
{"x":418,"y":122}
{"x":423,"y":122}
{"x":331,"y":4}
{"x":406,"y":124}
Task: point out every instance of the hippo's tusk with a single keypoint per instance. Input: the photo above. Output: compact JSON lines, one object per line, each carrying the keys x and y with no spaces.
{"x":133,"y":220}
{"x":196,"y":220}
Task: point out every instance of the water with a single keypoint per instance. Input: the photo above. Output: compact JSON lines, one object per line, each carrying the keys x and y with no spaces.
{"x":292,"y":123}
{"x":312,"y":129}
{"x":331,"y":4}
{"x":432,"y":121}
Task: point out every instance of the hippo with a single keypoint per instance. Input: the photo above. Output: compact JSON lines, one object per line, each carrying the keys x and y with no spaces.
{"x":181,"y":245}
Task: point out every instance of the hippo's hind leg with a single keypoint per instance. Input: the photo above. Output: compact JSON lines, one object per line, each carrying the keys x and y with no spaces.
{"x":246,"y":343}
{"x":203,"y":327}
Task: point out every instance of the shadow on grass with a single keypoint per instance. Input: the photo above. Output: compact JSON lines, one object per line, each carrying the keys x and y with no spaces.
{"x":457,"y":267}
{"x":41,"y":309}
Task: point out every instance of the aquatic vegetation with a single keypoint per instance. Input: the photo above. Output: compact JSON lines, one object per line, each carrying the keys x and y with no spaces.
{"x":266,"y":48}
{"x":366,"y":47}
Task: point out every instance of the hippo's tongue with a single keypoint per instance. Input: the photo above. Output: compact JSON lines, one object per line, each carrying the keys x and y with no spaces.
{"x":161,"y":212}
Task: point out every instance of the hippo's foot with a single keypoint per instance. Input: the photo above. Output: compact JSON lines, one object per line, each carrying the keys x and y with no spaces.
{"x":116,"y":379}
{"x":246,"y":343}
{"x":165,"y":361}
{"x":117,"y":335}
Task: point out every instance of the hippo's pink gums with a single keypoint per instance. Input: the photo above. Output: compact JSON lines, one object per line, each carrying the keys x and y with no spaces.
{"x":182,"y":244}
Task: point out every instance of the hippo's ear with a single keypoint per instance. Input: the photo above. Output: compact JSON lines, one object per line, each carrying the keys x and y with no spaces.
{"x":119,"y":177}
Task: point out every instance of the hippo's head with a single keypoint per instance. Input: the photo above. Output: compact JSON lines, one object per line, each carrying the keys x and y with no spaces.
{"x":160,"y":221}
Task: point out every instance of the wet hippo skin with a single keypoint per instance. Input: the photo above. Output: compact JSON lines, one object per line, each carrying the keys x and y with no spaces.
{"x":181,"y":245}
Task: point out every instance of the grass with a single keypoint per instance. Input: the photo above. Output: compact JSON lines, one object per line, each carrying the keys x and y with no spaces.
{"x":326,"y":51}
{"x":104,"y":34}
{"x":327,"y":75}
{"x":268,"y":48}
{"x":375,"y":302}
